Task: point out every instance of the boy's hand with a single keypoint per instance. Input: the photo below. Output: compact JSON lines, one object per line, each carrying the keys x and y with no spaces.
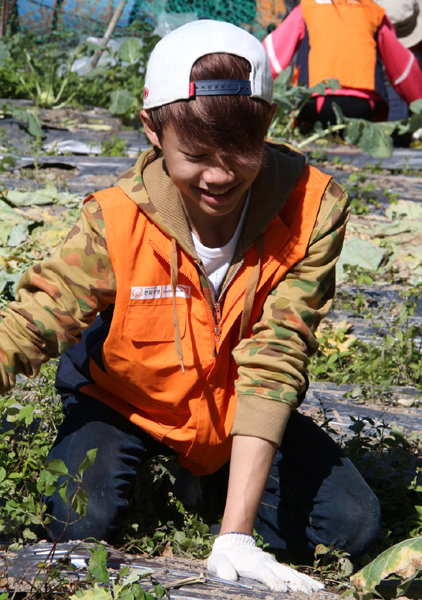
{"x":235,"y":554}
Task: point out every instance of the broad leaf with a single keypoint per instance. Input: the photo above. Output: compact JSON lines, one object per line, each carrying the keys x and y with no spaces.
{"x":359,"y":253}
{"x":353,"y":131}
{"x":29,"y":121}
{"x":415,"y":122}
{"x":121,"y":101}
{"x":403,"y":559}
{"x":97,"y":566}
{"x":416,"y":106}
{"x":19,"y":234}
{"x":80,"y":503}
{"x":130,"y":51}
{"x":47,"y":483}
{"x":88,"y":461}
{"x":39,"y":197}
{"x":56,"y":466}
{"x":375,"y":142}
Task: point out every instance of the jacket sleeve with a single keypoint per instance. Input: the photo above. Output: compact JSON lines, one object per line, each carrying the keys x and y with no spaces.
{"x":400,"y":63}
{"x":282,"y":43}
{"x":57,"y":299}
{"x":272,"y":363}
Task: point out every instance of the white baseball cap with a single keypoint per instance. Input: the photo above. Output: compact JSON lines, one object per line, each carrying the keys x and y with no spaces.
{"x":406,"y":16}
{"x":170,"y":64}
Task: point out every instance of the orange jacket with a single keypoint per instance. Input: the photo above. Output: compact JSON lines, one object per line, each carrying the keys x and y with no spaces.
{"x":141,"y":376}
{"x":336,"y":28}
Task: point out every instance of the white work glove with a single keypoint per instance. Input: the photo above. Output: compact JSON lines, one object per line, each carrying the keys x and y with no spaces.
{"x":235,"y":554}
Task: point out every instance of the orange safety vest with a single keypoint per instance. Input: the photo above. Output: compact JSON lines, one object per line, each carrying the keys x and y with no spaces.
{"x":141,"y":376}
{"x":342,"y":41}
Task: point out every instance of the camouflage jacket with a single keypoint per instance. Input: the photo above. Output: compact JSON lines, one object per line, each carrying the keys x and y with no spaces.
{"x":60,"y":297}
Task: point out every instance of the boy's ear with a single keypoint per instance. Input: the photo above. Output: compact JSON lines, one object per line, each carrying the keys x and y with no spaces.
{"x":274,"y":107}
{"x":149,"y":129}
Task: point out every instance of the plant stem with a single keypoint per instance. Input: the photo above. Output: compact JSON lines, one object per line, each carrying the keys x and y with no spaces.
{"x":321,"y":134}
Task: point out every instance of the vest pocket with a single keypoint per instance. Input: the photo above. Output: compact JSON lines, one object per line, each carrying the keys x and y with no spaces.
{"x":154,"y":322}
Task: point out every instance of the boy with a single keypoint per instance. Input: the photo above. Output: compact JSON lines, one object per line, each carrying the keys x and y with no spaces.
{"x":210,"y":265}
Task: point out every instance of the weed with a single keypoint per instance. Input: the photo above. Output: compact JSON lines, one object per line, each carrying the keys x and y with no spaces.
{"x":361,"y":193}
{"x":392,"y":197}
{"x":318,"y":155}
{"x":6,"y":163}
{"x":391,"y":358}
{"x":361,"y":277}
{"x":157,"y":520}
{"x":115,"y":146}
{"x":126,"y":586}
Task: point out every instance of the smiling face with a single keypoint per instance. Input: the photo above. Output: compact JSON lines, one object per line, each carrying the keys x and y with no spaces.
{"x":213,"y":186}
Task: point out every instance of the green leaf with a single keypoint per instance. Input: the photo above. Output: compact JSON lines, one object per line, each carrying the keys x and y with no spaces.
{"x":415,"y":122}
{"x":320,"y":88}
{"x":88,"y":461}
{"x":29,"y":535}
{"x":42,"y":196}
{"x":416,"y":106}
{"x":29,"y":121}
{"x":375,"y":141}
{"x":8,"y":278}
{"x":80,"y":502}
{"x":47,"y":483}
{"x":389,"y":126}
{"x":130,"y":51}
{"x":63,"y":491}
{"x":97,"y":566}
{"x":353,"y":131}
{"x":19,"y":234}
{"x":56,"y":466}
{"x":403,"y":559}
{"x":121,"y":102}
{"x":27,"y":414}
{"x":359,"y":253}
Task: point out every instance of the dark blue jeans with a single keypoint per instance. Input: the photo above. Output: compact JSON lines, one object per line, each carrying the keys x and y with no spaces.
{"x":314,"y":493}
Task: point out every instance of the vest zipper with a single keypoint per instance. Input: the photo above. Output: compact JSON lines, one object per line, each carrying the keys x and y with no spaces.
{"x":226,"y":285}
{"x":217,"y":306}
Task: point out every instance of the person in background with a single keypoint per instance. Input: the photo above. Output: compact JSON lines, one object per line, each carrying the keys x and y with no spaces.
{"x":406,"y":16}
{"x":350,"y":41}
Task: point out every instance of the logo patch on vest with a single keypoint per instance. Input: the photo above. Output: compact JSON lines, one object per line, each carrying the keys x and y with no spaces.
{"x":151,"y":292}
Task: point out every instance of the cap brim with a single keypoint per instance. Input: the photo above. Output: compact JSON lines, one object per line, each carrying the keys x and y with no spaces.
{"x":416,"y":36}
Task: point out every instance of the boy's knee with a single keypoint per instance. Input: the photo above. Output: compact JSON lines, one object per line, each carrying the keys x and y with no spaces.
{"x":353,"y":524}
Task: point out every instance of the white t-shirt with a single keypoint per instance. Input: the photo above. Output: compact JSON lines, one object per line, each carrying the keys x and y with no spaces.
{"x":216,"y":261}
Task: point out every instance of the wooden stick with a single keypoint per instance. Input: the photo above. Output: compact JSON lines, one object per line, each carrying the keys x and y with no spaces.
{"x":4,"y":15}
{"x":107,"y":35}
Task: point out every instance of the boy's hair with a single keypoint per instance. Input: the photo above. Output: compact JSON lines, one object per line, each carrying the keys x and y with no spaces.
{"x":235,"y":124}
